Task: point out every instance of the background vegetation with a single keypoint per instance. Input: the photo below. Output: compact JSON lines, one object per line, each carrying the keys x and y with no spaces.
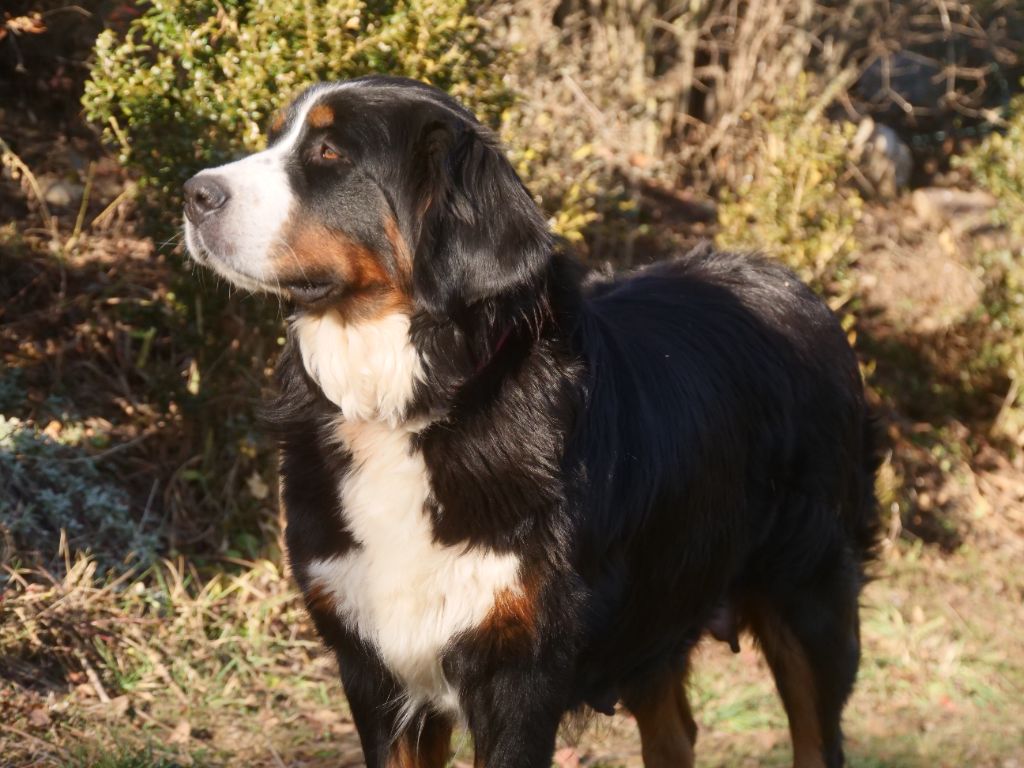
{"x":877,"y":146}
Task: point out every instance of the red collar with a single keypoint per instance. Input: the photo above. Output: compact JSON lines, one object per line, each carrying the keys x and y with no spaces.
{"x":497,"y":348}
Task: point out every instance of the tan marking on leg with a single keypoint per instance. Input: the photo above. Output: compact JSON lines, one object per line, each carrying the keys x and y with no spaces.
{"x":319,"y":599}
{"x":667,"y":728}
{"x":320,"y":116}
{"x":429,"y":747}
{"x":511,"y":625}
{"x":794,"y":680}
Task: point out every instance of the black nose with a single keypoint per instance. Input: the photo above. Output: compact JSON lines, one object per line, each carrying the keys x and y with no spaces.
{"x":204,"y":195}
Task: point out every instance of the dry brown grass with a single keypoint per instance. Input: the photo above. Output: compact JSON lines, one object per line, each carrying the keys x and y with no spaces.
{"x":172,"y":665}
{"x":211,"y":668}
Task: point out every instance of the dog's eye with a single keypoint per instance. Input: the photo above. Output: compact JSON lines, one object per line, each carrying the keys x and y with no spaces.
{"x":329,"y":154}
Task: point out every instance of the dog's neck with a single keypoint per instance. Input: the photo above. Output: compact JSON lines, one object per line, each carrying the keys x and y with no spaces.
{"x":400,"y":366}
{"x":369,"y":369}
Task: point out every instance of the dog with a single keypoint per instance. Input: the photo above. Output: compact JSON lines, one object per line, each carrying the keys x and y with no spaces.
{"x":516,"y":488}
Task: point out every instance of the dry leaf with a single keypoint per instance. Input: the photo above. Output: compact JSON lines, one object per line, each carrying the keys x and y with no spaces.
{"x":257,"y":487}
{"x":25,"y":25}
{"x":181,"y":734}
{"x":118,"y":707}
{"x":39,"y":718}
{"x":85,"y":690}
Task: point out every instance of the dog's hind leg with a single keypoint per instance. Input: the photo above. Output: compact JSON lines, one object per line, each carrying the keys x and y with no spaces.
{"x":810,"y":639}
{"x":667,"y":728}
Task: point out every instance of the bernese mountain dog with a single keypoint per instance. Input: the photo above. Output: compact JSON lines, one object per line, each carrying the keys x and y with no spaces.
{"x":516,"y":488}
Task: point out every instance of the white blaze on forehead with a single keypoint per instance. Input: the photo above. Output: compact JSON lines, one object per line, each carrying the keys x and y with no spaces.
{"x":260,"y":199}
{"x":402,"y":591}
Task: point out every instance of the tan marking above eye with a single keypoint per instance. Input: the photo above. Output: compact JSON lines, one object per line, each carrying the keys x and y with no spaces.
{"x":278,"y":121}
{"x":320,"y":116}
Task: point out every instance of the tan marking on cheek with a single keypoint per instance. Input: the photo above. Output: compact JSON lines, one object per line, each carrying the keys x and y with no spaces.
{"x":315,"y":251}
{"x":320,"y":116}
{"x":399,"y":246}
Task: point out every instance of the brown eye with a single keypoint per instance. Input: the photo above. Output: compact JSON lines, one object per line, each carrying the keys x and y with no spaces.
{"x":328,"y":153}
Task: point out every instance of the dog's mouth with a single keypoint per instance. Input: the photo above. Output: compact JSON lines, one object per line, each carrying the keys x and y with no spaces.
{"x":309,"y":291}
{"x":305,"y":290}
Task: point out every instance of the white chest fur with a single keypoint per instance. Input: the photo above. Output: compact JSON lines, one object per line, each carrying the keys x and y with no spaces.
{"x":367,"y":369}
{"x":400,"y":590}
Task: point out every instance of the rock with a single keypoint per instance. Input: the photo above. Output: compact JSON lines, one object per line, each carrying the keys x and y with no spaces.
{"x":964,"y":212}
{"x":922,"y":288}
{"x":63,"y":194}
{"x":899,"y":86}
{"x":883,"y":158}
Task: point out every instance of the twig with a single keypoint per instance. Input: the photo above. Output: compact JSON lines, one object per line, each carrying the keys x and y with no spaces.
{"x":80,"y":219}
{"x":101,"y":218}
{"x":21,"y":170}
{"x":275,"y":755}
{"x":117,"y":448}
{"x":94,"y":679}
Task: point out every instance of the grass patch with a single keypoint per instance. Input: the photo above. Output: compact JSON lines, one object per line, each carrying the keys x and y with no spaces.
{"x":182,"y":667}
{"x":217,"y":666}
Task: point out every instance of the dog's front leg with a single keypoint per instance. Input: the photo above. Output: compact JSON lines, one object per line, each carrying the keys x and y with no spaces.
{"x":513,"y":716}
{"x":389,"y":736}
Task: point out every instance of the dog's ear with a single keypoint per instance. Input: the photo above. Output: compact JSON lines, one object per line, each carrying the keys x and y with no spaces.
{"x":481,"y":234}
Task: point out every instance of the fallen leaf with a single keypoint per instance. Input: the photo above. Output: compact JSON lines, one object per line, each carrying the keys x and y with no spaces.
{"x":85,"y":690}
{"x":39,"y":718}
{"x":181,"y":734}
{"x":257,"y":487}
{"x":118,"y":707}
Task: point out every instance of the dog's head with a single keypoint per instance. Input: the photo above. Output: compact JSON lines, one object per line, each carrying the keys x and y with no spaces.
{"x":371,"y":194}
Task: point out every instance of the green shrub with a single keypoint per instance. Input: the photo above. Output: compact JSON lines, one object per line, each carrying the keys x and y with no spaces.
{"x":193,"y":83}
{"x":560,"y":169}
{"x":997,"y":164}
{"x":791,"y":200}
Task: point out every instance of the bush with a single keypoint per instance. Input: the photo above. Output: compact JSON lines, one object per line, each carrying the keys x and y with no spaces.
{"x":621,"y":97}
{"x":47,"y":489}
{"x":791,"y":200}
{"x":998,"y":166}
{"x":192,"y":84}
